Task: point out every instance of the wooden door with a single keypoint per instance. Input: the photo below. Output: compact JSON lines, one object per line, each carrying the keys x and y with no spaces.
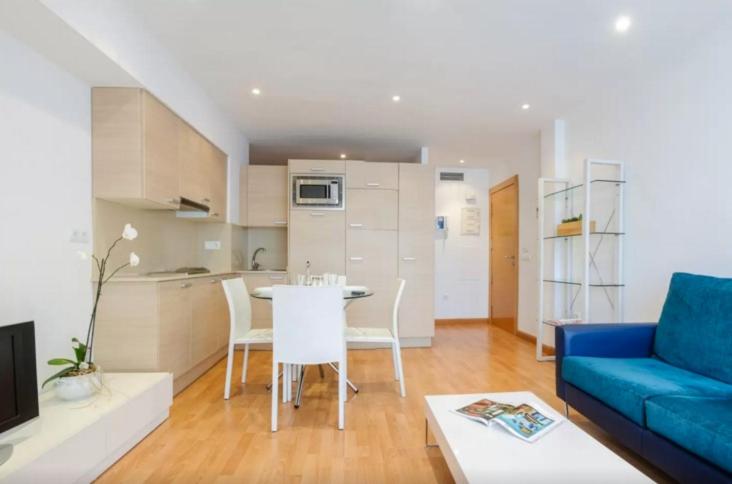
{"x":267,"y":196}
{"x":504,"y":236}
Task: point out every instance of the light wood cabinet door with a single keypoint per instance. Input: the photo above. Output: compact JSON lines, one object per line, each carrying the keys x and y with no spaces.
{"x":194,"y":179}
{"x":243,"y":195}
{"x":217,"y":173}
{"x":205,"y":332}
{"x":416,"y":249}
{"x":317,"y":166}
{"x":160,"y":154}
{"x":371,"y":260}
{"x":370,"y":175}
{"x":372,"y":209}
{"x":262,"y":309}
{"x":174,"y":308}
{"x":267,"y":196}
{"x":318,"y":236}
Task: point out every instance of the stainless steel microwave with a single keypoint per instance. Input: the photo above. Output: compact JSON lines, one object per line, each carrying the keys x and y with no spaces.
{"x":318,"y":191}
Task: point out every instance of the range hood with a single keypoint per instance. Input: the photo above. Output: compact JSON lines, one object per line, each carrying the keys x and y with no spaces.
{"x":190,"y":209}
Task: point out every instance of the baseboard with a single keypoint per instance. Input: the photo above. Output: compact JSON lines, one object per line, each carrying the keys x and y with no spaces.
{"x":462,"y":320}
{"x":548,"y":350}
{"x":182,"y":381}
{"x":506,"y":324}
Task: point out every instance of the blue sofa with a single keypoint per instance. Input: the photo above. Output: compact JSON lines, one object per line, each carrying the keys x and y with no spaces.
{"x":663,"y":390}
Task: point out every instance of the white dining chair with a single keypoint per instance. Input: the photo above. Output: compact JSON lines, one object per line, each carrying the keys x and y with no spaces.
{"x":241,"y":331}
{"x":385,"y":335}
{"x":309,"y":329}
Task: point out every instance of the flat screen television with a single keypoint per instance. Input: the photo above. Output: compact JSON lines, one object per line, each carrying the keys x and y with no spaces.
{"x":18,"y":383}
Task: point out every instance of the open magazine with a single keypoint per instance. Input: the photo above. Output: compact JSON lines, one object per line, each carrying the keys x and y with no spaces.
{"x":523,"y":421}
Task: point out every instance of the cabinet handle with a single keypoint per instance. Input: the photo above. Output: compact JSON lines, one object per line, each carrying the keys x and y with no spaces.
{"x":215,"y":214}
{"x":356,"y":226}
{"x":317,"y":169}
{"x":213,"y":281}
{"x":280,"y":222}
{"x":173,"y":201}
{"x":185,"y":285}
{"x":276,"y":278}
{"x":373,"y":184}
{"x":316,"y":214}
{"x":409,"y":259}
{"x":206,"y":200}
{"x":356,"y":259}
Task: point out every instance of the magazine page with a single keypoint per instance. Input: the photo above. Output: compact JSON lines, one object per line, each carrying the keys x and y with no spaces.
{"x":484,"y":410}
{"x":526,"y":422}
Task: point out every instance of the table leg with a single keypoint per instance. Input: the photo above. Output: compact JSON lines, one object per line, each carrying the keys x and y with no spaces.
{"x":269,"y":385}
{"x":298,"y":395}
{"x":348,"y":382}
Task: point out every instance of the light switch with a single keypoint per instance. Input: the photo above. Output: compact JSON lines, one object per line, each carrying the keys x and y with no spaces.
{"x":79,"y":236}
{"x":212,"y":245}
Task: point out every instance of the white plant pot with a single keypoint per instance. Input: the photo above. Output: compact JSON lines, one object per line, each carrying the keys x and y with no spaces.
{"x":78,"y":387}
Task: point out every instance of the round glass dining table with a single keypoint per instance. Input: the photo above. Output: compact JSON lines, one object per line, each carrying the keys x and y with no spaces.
{"x":350,"y":294}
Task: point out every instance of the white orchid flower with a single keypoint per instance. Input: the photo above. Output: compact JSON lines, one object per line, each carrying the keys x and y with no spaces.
{"x":82,"y":255}
{"x":129,"y":232}
{"x":134,"y":260}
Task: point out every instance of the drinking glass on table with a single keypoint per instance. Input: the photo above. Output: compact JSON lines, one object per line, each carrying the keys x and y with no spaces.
{"x":301,"y":279}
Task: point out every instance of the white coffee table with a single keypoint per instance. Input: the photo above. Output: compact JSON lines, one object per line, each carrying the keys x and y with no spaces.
{"x":476,"y":453}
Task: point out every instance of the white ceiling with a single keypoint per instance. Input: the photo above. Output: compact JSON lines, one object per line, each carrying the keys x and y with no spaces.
{"x":328,"y":68}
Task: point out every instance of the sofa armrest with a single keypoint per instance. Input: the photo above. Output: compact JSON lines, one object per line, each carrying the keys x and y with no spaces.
{"x":616,"y":340}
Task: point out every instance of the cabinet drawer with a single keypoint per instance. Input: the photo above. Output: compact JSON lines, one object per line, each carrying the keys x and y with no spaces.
{"x":369,"y":175}
{"x":372,"y":209}
{"x":317,"y":166}
{"x":318,"y":237}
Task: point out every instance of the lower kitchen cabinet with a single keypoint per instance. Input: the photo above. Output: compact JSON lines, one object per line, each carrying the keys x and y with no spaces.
{"x":179,"y":326}
{"x":262,"y":309}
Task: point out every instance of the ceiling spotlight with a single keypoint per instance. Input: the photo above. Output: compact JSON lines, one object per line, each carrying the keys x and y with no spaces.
{"x":462,"y":161}
{"x":623,"y":23}
{"x":396,"y":98}
{"x":525,"y":106}
{"x":256,"y":91}
{"x":343,"y":156}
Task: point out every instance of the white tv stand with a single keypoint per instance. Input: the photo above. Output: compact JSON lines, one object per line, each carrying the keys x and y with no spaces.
{"x":78,"y":441}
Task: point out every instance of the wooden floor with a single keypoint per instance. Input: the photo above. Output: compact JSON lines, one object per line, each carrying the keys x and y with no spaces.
{"x":208,"y":439}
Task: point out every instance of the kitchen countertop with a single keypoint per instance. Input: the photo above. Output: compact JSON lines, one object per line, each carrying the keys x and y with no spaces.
{"x":178,"y":277}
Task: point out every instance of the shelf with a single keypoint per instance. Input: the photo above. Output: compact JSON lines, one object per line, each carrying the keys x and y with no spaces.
{"x":580,"y":235}
{"x":555,"y":323}
{"x":571,"y":283}
{"x":574,"y":187}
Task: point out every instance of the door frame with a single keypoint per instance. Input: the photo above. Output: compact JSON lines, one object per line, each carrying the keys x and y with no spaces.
{"x":514,"y":180}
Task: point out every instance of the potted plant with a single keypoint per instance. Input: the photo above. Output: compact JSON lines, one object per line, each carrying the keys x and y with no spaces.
{"x":82,"y":378}
{"x":573,"y":226}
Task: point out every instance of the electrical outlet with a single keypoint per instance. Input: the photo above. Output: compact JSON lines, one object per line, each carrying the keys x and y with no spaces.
{"x":79,"y":236}
{"x":212,"y":245}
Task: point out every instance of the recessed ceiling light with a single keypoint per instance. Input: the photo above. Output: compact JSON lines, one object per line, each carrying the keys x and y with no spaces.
{"x":343,"y":156}
{"x":525,"y":106}
{"x":623,"y":23}
{"x":462,"y":161}
{"x":396,"y":98}
{"x":256,"y":91}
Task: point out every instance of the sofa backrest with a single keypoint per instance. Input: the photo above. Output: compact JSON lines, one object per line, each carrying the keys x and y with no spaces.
{"x":695,"y":329}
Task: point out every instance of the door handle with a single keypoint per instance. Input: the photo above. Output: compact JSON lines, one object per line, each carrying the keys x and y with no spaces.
{"x":512,"y":257}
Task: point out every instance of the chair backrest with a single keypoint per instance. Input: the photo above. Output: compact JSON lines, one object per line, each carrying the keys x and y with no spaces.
{"x":395,"y":310}
{"x":240,"y":307}
{"x":308,"y":324}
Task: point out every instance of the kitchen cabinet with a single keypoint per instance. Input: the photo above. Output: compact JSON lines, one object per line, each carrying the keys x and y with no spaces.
{"x":243,"y":195}
{"x":144,"y":155}
{"x":180,"y":326}
{"x":318,"y":236}
{"x":370,"y":175}
{"x":317,"y":166}
{"x":372,"y":209}
{"x":262,"y":309}
{"x":267,"y":196}
{"x":134,"y":148}
{"x":416,"y":249}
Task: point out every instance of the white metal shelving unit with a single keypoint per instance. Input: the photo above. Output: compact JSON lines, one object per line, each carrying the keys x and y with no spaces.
{"x":581,"y":276}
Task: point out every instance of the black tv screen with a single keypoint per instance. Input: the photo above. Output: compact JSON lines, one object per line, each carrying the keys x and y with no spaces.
{"x":18,"y":384}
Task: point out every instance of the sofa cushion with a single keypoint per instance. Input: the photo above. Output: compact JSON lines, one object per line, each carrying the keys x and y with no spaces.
{"x":624,"y":384}
{"x":695,"y":328}
{"x":701,"y":425}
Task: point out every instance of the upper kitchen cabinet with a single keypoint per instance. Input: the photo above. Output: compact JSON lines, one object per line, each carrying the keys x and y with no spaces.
{"x":362,"y":174}
{"x":134,"y":148}
{"x":315,"y":167}
{"x":144,"y":155}
{"x":266,"y":196}
{"x":243,"y":196}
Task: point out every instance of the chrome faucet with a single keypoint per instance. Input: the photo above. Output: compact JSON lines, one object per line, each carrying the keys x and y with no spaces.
{"x":255,"y":264}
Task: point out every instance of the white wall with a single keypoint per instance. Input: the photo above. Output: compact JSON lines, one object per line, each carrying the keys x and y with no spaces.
{"x":45,"y":192}
{"x":674,"y":132}
{"x":461,"y":261}
{"x":122,"y":37}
